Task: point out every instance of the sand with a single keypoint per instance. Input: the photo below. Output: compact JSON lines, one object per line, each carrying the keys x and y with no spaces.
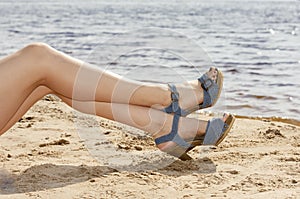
{"x":45,"y":155}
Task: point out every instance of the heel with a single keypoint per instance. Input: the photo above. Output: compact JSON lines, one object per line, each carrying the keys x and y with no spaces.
{"x":179,"y":151}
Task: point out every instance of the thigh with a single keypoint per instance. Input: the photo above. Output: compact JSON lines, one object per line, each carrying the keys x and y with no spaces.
{"x":18,"y":79}
{"x":34,"y":96}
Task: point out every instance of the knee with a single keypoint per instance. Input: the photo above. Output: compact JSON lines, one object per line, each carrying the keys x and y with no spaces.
{"x":37,"y":49}
{"x":37,"y":56}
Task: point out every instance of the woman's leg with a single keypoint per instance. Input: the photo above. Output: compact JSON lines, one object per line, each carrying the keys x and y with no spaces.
{"x":32,"y":98}
{"x":63,"y":74}
{"x":150,"y":120}
{"x":66,"y":75}
{"x":19,"y":77}
{"x":155,"y":122}
{"x":39,"y":64}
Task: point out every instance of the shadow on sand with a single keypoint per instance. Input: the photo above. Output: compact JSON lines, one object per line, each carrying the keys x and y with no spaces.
{"x":49,"y":176}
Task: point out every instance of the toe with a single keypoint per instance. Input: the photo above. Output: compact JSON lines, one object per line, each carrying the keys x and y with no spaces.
{"x":225,"y":116}
{"x":213,"y":73}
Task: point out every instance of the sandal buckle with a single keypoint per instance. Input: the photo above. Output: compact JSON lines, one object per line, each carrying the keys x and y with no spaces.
{"x":174,"y":96}
{"x":207,"y":84}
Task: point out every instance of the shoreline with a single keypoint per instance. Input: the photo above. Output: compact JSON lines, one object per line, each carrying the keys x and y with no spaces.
{"x":272,"y":119}
{"x":44,"y":156}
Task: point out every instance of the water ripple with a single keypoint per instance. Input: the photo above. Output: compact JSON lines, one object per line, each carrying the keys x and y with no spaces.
{"x":256,"y":45}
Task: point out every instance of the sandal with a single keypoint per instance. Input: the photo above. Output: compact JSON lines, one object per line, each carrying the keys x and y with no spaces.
{"x":215,"y":133}
{"x":212,"y":91}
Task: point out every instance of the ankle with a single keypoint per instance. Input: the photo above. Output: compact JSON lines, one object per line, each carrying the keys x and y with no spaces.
{"x":190,"y":127}
{"x":164,"y":126}
{"x":165,"y":96}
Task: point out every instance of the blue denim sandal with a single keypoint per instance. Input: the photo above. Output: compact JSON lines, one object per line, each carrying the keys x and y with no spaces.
{"x":215,"y":133}
{"x":211,"y":89}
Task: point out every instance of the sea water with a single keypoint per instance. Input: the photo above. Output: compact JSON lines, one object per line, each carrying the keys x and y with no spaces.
{"x":255,"y":43}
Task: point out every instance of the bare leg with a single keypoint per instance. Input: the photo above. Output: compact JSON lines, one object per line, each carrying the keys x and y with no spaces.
{"x":39,"y":64}
{"x":147,"y":119}
{"x":150,"y":120}
{"x":33,"y":97}
{"x":66,"y":75}
{"x":80,"y":81}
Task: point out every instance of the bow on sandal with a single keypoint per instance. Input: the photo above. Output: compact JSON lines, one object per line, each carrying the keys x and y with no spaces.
{"x":215,"y":133}
{"x":212,"y":90}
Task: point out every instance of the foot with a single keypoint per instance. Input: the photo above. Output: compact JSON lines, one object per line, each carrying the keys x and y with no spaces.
{"x":191,"y":93}
{"x":188,"y":129}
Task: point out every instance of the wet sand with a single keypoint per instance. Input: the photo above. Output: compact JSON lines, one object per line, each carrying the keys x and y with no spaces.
{"x":42,"y":156}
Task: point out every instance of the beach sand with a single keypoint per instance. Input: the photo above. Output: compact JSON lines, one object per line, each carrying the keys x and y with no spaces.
{"x":43,"y":156}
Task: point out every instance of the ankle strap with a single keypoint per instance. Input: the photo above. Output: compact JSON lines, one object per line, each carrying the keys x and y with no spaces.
{"x":174,"y":106}
{"x":173,"y":135}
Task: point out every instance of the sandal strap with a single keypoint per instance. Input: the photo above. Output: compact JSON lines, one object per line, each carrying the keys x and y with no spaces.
{"x":210,"y":90}
{"x":174,"y":106}
{"x":173,"y":135}
{"x":206,"y":82}
{"x":215,"y":128}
